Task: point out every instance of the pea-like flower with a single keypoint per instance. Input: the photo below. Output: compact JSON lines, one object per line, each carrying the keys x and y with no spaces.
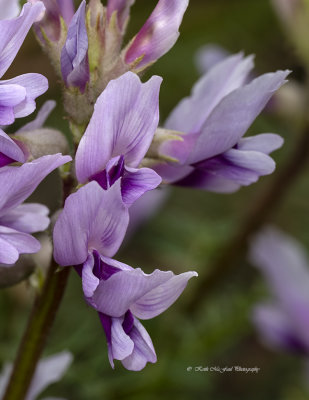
{"x":87,"y":234}
{"x":118,"y":136}
{"x":211,"y":151}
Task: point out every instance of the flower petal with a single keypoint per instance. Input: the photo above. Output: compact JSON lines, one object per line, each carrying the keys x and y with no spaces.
{"x":265,"y":143}
{"x":276,"y":329}
{"x":159,"y":33}
{"x":14,"y":31}
{"x":136,"y":182}
{"x":10,"y":149}
{"x":14,"y":243}
{"x":89,"y":280}
{"x":235,"y":113}
{"x":210,"y":181}
{"x":122,"y":290}
{"x":192,"y":112}
{"x":122,"y":344}
{"x":124,"y":121}
{"x":74,"y":54}
{"x":143,"y":351}
{"x":17,"y":183}
{"x":33,"y":86}
{"x":285,"y":266}
{"x":92,"y":219}
{"x":161,"y":297}
{"x":28,"y":218}
{"x":49,"y":370}
{"x":41,"y":117}
{"x":9,"y":9}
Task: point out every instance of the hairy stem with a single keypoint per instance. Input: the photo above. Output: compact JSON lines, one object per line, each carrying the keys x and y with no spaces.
{"x":263,"y":206}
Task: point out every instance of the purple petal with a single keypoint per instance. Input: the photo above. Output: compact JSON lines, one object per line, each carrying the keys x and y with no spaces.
{"x":10,"y":96}
{"x":123,"y":10}
{"x":28,"y":218}
{"x":265,"y":143}
{"x":89,"y":280}
{"x":92,"y":219}
{"x":49,"y":370}
{"x":276,"y":329}
{"x":285,"y":267}
{"x":136,"y":182}
{"x":208,"y":180}
{"x":13,"y":243}
{"x":171,"y":173}
{"x":232,"y":117}
{"x":14,"y":31}
{"x":124,"y":121}
{"x":33,"y":86}
{"x":67,"y":10}
{"x":41,"y":117}
{"x":159,"y":33}
{"x":161,"y":297}
{"x":121,"y":343}
{"x":17,"y":183}
{"x":143,"y":351}
{"x":124,"y":289}
{"x":192,"y":112}
{"x":74,"y":54}
{"x":10,"y":149}
{"x":9,"y":9}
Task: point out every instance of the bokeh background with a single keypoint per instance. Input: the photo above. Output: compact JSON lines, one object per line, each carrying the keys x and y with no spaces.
{"x":188,"y":232}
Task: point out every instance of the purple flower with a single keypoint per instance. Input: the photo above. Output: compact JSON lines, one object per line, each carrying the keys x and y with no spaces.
{"x":17,"y":95}
{"x":74,"y":54}
{"x":212,"y":153}
{"x":17,"y":220}
{"x":283,"y":322}
{"x":88,"y":233}
{"x":118,"y":136}
{"x":49,"y":370}
{"x":158,"y":35}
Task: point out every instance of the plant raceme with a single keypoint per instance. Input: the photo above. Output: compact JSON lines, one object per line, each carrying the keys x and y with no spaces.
{"x":121,"y":153}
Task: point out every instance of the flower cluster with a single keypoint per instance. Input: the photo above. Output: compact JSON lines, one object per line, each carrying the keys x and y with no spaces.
{"x":121,"y":151}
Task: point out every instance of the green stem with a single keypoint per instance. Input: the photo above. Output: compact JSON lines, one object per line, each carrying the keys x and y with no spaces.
{"x":40,"y":322}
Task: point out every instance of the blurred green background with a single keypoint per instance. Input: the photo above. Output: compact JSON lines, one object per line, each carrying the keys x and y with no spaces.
{"x":186,"y":234}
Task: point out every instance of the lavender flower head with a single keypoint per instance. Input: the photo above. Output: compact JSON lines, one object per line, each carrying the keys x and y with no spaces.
{"x":283,"y":322}
{"x":210,"y":152}
{"x":87,"y":234}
